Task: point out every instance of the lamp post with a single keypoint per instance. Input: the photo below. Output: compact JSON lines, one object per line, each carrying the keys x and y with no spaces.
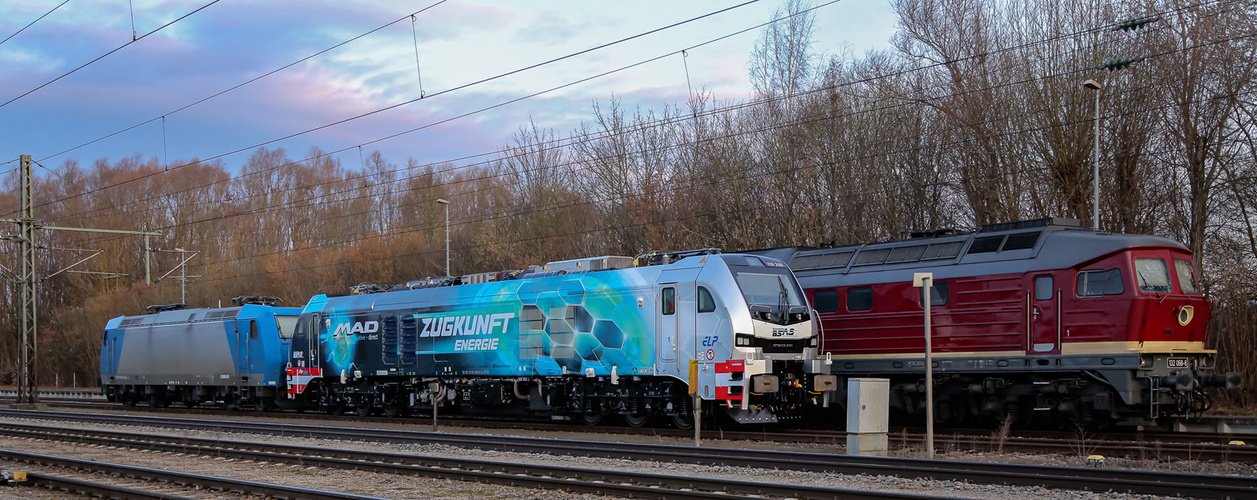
{"x":446,"y":202}
{"x":925,"y":281}
{"x":1095,"y":210}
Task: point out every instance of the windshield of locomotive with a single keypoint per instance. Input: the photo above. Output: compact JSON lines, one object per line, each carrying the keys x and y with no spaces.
{"x":287,"y":325}
{"x":765,"y":282}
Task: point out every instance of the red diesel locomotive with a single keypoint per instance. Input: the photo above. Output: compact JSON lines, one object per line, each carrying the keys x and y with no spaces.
{"x":1033,"y":321}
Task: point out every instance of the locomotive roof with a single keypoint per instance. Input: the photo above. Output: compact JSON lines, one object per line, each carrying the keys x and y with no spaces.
{"x":687,"y":262}
{"x":197,"y":315}
{"x":1016,"y":247}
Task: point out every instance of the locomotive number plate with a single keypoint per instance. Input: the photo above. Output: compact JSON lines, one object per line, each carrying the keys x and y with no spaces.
{"x":1178,"y":363}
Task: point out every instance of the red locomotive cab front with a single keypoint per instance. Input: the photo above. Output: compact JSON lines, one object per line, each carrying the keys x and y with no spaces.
{"x":1172,"y":309}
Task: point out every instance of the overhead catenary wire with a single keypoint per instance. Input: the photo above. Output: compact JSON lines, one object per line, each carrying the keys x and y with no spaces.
{"x":466,"y":246}
{"x":474,"y":112}
{"x":784,"y":125}
{"x":595,"y":201}
{"x":239,"y":85}
{"x":107,"y":54}
{"x":816,"y":90}
{"x":449,"y":91}
{"x":32,"y":23}
{"x":446,"y":91}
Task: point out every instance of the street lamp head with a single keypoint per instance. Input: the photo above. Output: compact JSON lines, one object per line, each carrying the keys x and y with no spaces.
{"x":1092,"y":84}
{"x":443,"y":201}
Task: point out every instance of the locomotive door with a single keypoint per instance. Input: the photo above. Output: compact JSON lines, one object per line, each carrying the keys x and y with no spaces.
{"x":666,"y":322}
{"x":703,"y":331}
{"x":108,"y":356}
{"x":316,"y":331}
{"x":245,"y":330}
{"x":1044,"y":316}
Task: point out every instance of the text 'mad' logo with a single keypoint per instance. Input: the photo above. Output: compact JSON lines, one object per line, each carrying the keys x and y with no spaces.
{"x":357,"y":328}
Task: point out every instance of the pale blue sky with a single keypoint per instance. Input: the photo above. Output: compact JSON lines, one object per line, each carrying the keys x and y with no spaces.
{"x":459,"y":42}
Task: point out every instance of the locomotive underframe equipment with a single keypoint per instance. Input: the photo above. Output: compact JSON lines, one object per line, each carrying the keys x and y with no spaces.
{"x":1123,"y":389}
{"x":635,"y":399}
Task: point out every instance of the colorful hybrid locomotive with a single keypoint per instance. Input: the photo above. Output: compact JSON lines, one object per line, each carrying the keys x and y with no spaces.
{"x":233,"y":355}
{"x":586,"y":338}
{"x":1032,"y":321}
{"x":578,"y":339}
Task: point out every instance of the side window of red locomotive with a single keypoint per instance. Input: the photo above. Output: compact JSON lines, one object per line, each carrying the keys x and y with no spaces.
{"x":1100,"y":283}
{"x":938,"y":294}
{"x":1152,"y":275}
{"x":1043,"y":288}
{"x":825,"y":301}
{"x":860,"y":299}
{"x":706,"y":303}
{"x":1186,"y":276}
{"x":668,"y":302}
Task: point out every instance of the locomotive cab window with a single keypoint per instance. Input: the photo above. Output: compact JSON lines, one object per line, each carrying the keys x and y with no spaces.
{"x":825,"y":301}
{"x":668,"y":301}
{"x":860,"y":299}
{"x":286,"y":325}
{"x":1152,"y":275}
{"x":938,"y":294}
{"x":253,"y":330}
{"x":1100,"y":283}
{"x":1186,"y":276}
{"x":706,"y":303}
{"x":1043,"y":288}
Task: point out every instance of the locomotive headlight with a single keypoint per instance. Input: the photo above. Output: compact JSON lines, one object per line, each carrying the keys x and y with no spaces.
{"x":1185,"y":315}
{"x":743,"y":340}
{"x":814,"y":342}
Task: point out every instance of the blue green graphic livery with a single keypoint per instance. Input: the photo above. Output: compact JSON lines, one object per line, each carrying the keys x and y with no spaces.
{"x":543,"y":326}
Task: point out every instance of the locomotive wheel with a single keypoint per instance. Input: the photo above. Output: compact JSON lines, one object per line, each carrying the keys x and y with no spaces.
{"x":363,"y":410}
{"x":683,"y":421}
{"x":129,"y":400}
{"x":336,"y":409}
{"x":634,"y":420}
{"x":189,"y":404}
{"x":591,"y":419}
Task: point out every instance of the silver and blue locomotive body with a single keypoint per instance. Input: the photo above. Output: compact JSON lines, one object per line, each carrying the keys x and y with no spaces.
{"x":232,"y":356}
{"x":626,"y":339}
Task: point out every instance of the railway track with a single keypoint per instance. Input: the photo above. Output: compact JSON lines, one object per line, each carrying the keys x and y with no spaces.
{"x":104,"y":480}
{"x":1100,"y":480}
{"x":584,"y":480}
{"x":1141,"y":446}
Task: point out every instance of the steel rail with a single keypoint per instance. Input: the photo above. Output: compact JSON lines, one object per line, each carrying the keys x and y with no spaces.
{"x":96,"y":490}
{"x":1145,"y":445}
{"x":630,"y":484}
{"x":1094,"y":479}
{"x":190,"y":481}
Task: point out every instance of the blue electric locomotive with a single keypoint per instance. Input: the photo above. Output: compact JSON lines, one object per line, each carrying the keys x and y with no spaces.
{"x":576,"y":339}
{"x":232,"y":356}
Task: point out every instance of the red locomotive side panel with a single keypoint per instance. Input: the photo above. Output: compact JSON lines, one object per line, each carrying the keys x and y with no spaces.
{"x":981,"y":314}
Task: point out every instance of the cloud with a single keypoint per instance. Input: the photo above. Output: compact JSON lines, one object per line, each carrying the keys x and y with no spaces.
{"x":459,"y":42}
